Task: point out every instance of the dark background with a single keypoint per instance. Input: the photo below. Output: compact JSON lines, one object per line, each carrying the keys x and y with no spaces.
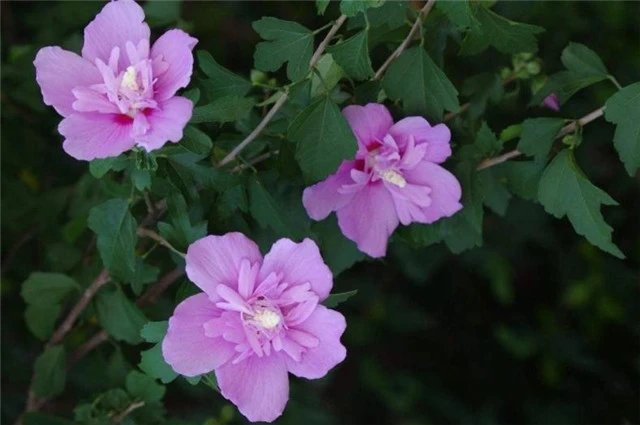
{"x":538,"y":326}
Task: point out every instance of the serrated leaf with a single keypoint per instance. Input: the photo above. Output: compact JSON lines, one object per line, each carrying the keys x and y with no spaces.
{"x":353,"y":7}
{"x":152,"y":363}
{"x":143,"y":387}
{"x":583,"y":61}
{"x":459,"y":12}
{"x":154,"y":331}
{"x":420,"y":84}
{"x":565,"y":190}
{"x":224,"y":109}
{"x":330,"y":74}
{"x":486,"y":141}
{"x":538,"y":135}
{"x":180,"y":232}
{"x":334,"y":299}
{"x":353,"y":56}
{"x":221,"y":82}
{"x":115,"y":228}
{"x":99,"y":167}
{"x":50,"y":372}
{"x":145,"y":273}
{"x":623,"y":109}
{"x":323,"y":139}
{"x":286,"y":42}
{"x":505,"y":35}
{"x":121,"y":318}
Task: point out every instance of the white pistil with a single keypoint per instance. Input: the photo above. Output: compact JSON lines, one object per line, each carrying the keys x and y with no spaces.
{"x":129,"y":79}
{"x":394,"y":178}
{"x":267,"y":319}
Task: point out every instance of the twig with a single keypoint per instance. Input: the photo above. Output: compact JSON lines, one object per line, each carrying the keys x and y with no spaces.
{"x":136,"y":405}
{"x":254,"y":161}
{"x":281,"y":101}
{"x":146,"y":233}
{"x":490,"y":162}
{"x":401,"y":48}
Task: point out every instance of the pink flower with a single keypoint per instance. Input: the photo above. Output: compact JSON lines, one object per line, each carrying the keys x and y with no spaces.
{"x":257,"y":320}
{"x":552,"y":102}
{"x":121,"y":92}
{"x":393,"y":179}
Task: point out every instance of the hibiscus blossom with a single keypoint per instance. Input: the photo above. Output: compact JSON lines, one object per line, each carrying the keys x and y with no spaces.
{"x":121,"y":92}
{"x":393,"y":179}
{"x":258,"y":320}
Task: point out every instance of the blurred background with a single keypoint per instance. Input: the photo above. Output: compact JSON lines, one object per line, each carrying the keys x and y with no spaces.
{"x":537,"y":326}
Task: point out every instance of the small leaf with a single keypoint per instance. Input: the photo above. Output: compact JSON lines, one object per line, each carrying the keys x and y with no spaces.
{"x":323,"y":139}
{"x":141,"y":179}
{"x":321,"y":6}
{"x":99,"y":167}
{"x":221,"y":82}
{"x":144,"y":387}
{"x":422,"y":86}
{"x":145,"y":273}
{"x":116,"y":230}
{"x":353,"y":7}
{"x":224,"y":109}
{"x":154,"y":331}
{"x":47,"y":288}
{"x":330,"y":74}
{"x":119,"y":316}
{"x":353,"y":56}
{"x":564,"y":190}
{"x":286,"y":42}
{"x":505,"y":35}
{"x":459,"y":12}
{"x":538,"y":135}
{"x":50,"y":372}
{"x":334,"y":299}
{"x":196,"y":141}
{"x":583,"y":61}
{"x":623,"y":108}
{"x":152,"y":363}
{"x":269,"y":213}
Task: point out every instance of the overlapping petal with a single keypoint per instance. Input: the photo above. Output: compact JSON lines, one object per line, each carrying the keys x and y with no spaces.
{"x":368,"y":123}
{"x":166,"y":123}
{"x":94,"y":135}
{"x":173,"y":48}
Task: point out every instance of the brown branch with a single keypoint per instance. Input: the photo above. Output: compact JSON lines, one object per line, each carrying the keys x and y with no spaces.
{"x":146,"y":233}
{"x":422,"y":14}
{"x":281,"y":101}
{"x":120,"y":417}
{"x":490,"y":162}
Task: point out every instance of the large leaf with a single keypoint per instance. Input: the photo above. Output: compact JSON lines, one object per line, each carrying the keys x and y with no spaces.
{"x":152,"y":363}
{"x":323,"y":139}
{"x":221,"y":110}
{"x":505,"y":35}
{"x":286,"y":42}
{"x":353,"y":56}
{"x":420,"y":84}
{"x":565,"y":190}
{"x":50,"y":372}
{"x":538,"y":135}
{"x":221,"y":82}
{"x":623,"y":108}
{"x":143,"y":387}
{"x":116,"y":230}
{"x":119,"y":316}
{"x":459,"y":12}
{"x":583,"y":61}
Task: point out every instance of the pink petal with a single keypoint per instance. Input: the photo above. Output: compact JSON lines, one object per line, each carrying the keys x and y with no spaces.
{"x":298,"y":263}
{"x":369,"y":219}
{"x":174,"y":48}
{"x":94,"y":135}
{"x":437,"y":138}
{"x":327,"y":326}
{"x":369,"y":123}
{"x":552,"y":102}
{"x":58,"y":72}
{"x":186,"y":348}
{"x":410,"y":202}
{"x":215,"y":260}
{"x":322,"y":198}
{"x":259,"y":386}
{"x":166,"y":123}
{"x":118,"y":22}
{"x":445,"y":190}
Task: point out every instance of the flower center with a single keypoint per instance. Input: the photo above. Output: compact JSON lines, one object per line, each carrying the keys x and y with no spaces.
{"x":393,"y":177}
{"x":129,"y":79}
{"x":267,"y":319}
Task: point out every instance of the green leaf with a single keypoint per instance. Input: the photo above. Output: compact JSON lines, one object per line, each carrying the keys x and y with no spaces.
{"x":458,"y":12}
{"x":286,"y":42}
{"x":353,"y":56}
{"x":37,"y":418}
{"x":160,"y":13}
{"x":353,"y":7}
{"x":145,"y":273}
{"x":565,"y":190}
{"x":330,"y":74}
{"x":180,"y":233}
{"x":505,"y":35}
{"x":623,"y":108}
{"x":221,"y":82}
{"x":495,"y":195}
{"x":152,"y":363}
{"x":422,"y":86}
{"x":50,"y":372}
{"x":116,"y":231}
{"x":196,"y":141}
{"x":521,"y":178}
{"x":482,"y":89}
{"x":581,"y":60}
{"x":47,"y":288}
{"x":41,"y":319}
{"x":538,"y":135}
{"x":323,"y":139}
{"x":338,"y":252}
{"x":224,"y":109}
{"x":154,"y":331}
{"x":144,"y":387}
{"x":121,"y":318}
{"x":269,"y":213}
{"x":99,"y":167}
{"x":334,"y":299}
{"x":141,"y":179}
{"x":486,"y":142}
{"x":321,"y":6}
